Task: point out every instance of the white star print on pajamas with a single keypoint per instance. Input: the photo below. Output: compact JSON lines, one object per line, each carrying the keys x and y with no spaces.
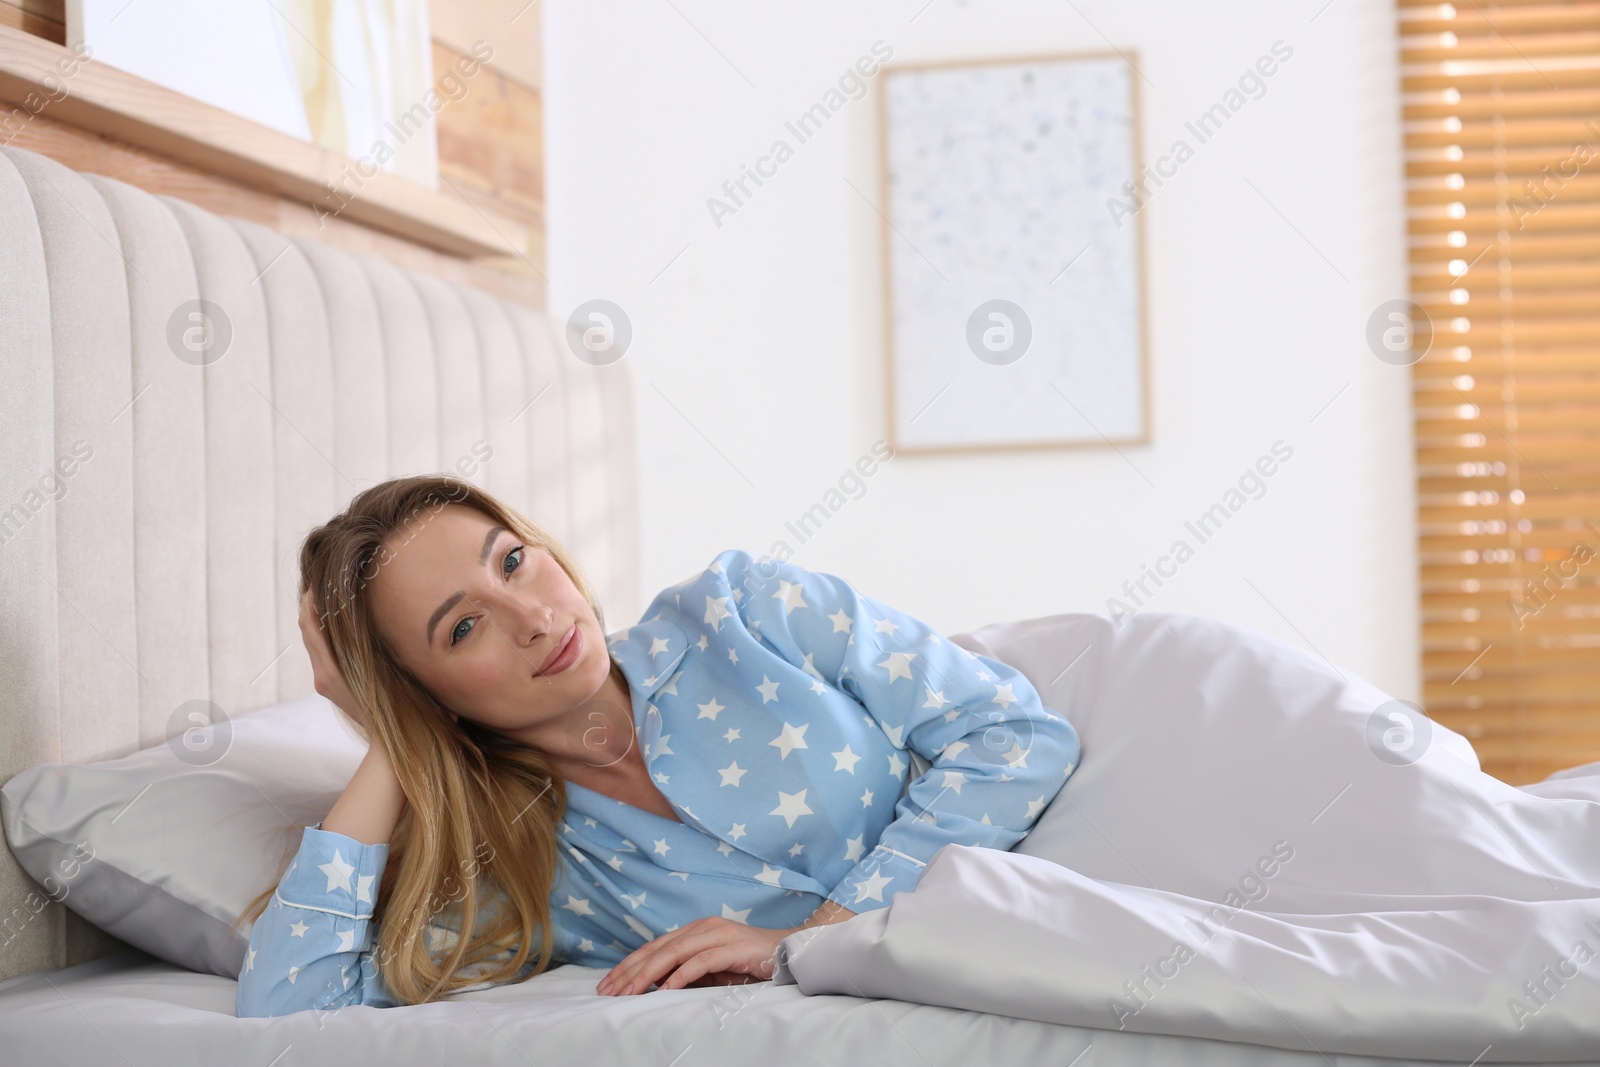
{"x":796,"y":708}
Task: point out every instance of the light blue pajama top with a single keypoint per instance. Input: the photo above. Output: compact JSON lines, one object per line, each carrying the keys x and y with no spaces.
{"x":816,"y":744}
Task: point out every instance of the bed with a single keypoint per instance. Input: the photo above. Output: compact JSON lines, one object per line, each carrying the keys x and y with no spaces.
{"x":133,"y":1009}
{"x":1419,"y":895}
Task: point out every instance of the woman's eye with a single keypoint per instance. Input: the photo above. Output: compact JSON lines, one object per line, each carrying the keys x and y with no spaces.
{"x":516,"y":553}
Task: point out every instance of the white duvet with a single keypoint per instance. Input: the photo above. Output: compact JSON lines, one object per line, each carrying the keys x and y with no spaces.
{"x":1258,"y":847}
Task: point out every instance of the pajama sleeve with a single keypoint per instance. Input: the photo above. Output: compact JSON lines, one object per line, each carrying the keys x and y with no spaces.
{"x":312,"y":946}
{"x":997,"y":756}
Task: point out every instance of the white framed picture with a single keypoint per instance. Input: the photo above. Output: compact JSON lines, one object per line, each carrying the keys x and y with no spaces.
{"x":1013,"y":254}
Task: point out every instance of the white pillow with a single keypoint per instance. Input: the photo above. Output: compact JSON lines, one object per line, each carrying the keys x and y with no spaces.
{"x":165,"y":847}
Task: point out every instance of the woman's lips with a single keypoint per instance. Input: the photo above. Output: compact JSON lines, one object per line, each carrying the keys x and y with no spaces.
{"x":564,"y":656}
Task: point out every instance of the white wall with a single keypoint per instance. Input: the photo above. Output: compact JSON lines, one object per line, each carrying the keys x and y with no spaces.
{"x":758,"y":345}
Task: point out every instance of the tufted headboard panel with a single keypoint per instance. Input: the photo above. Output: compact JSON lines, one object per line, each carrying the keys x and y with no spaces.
{"x":159,"y":470}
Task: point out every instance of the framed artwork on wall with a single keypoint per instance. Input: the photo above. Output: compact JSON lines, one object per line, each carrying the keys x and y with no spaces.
{"x":1013,"y":254}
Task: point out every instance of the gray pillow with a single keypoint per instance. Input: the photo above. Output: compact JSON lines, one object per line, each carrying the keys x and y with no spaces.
{"x":165,"y":847}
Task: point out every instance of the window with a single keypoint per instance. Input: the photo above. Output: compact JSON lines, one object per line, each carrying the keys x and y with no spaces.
{"x":1502,"y":139}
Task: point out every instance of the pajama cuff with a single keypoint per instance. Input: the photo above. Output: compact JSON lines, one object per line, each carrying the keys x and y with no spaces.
{"x":334,"y":873}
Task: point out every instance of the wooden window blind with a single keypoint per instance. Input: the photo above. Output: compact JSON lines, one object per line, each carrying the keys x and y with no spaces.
{"x":1502,"y":140}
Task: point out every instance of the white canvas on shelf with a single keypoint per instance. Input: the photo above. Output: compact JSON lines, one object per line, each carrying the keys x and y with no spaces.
{"x":348,"y":75}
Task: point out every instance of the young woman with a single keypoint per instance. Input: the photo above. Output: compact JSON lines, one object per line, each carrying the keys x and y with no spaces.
{"x":670,"y":801}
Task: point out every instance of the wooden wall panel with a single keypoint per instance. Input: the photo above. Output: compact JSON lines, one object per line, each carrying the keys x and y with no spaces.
{"x":492,"y":138}
{"x":42,"y":18}
{"x":511,"y":27}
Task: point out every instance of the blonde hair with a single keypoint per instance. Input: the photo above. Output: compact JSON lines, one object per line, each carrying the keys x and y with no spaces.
{"x":469,"y":790}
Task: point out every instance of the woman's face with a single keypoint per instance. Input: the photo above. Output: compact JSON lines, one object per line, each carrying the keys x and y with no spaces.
{"x":474,"y":614}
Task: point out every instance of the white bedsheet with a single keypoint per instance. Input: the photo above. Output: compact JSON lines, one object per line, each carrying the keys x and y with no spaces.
{"x":1381,"y":895}
{"x":118,"y":1011}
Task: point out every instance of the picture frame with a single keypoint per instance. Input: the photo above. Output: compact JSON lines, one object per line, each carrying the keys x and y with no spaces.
{"x":1015,"y":298}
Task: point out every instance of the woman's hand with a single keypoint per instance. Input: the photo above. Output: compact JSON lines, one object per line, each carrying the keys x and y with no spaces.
{"x":325,"y":674}
{"x":709,"y":951}
{"x":324,"y":671}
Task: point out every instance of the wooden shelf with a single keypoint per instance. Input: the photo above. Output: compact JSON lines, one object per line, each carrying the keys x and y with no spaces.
{"x":104,"y":100}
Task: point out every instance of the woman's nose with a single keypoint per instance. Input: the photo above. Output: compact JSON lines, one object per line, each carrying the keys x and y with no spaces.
{"x":532,"y":621}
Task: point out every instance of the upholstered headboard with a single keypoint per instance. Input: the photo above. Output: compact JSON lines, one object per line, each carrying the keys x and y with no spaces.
{"x":182,"y":397}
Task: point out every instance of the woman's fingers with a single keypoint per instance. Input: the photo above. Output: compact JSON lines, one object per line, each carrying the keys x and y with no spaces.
{"x":325,"y":674}
{"x":656,"y":958}
{"x":622,"y":977}
{"x":311,"y":631}
{"x":700,"y":964}
{"x":712,"y":949}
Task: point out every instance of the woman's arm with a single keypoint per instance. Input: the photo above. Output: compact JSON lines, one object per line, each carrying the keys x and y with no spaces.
{"x":997,"y":756}
{"x":312,"y":946}
{"x":371,"y":805}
